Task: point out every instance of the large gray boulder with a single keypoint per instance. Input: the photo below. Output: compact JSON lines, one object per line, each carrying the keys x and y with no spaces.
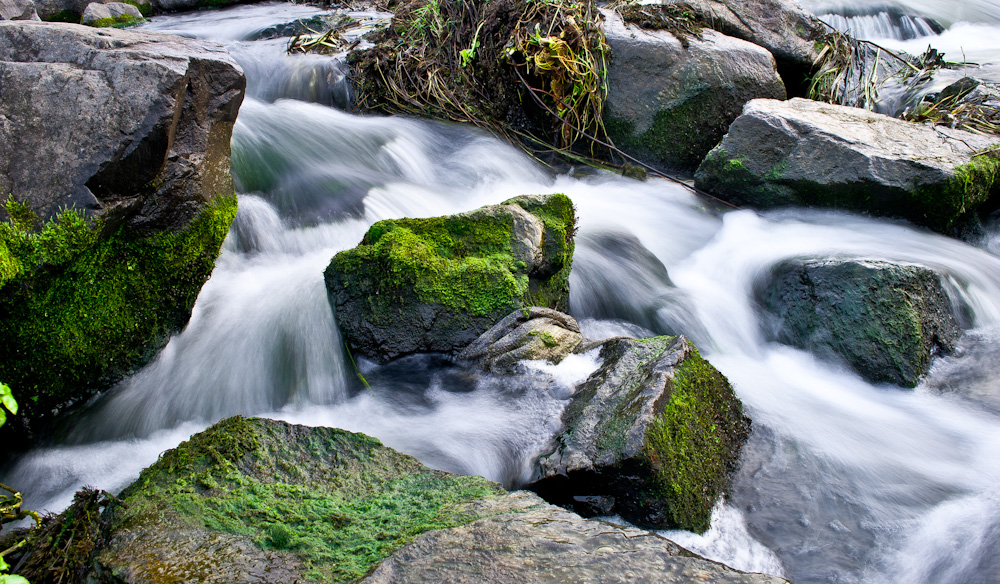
{"x":435,"y":285}
{"x":653,"y":435}
{"x":111,"y":13}
{"x":670,"y":101}
{"x":252,"y":500}
{"x":525,"y":541}
{"x":808,"y":153}
{"x":147,"y":137}
{"x":18,"y":10}
{"x":886,"y":321}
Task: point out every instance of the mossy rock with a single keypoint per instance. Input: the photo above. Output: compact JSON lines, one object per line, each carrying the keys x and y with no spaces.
{"x":886,"y":321}
{"x":435,"y":285}
{"x":806,"y":153}
{"x":80,"y":310}
{"x":259,"y":500}
{"x":653,"y":435}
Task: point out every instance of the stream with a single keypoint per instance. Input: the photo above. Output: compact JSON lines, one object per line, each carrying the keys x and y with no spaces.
{"x":841,"y":481}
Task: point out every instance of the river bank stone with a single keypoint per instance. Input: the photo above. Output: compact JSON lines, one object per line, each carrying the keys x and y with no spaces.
{"x":528,"y":334}
{"x":671,"y":100}
{"x":525,"y":541}
{"x":253,"y":500}
{"x":653,"y":435}
{"x":147,"y":139}
{"x":807,"y":153}
{"x":111,"y":14}
{"x":886,"y":321}
{"x":118,"y":205}
{"x":435,"y":285}
{"x":18,"y":10}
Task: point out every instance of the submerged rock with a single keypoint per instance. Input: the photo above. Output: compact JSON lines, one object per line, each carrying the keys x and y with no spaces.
{"x":670,"y":100}
{"x":525,"y":541}
{"x":528,"y":334}
{"x":808,"y":153}
{"x":253,"y":500}
{"x":435,"y":285}
{"x":119,"y":202}
{"x":653,"y":435}
{"x":886,"y":321}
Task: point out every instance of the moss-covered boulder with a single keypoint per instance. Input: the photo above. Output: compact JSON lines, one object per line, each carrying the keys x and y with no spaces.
{"x":671,"y":97}
{"x":653,"y":435}
{"x":807,"y":153}
{"x":886,"y":321}
{"x":252,"y":500}
{"x":116,"y":14}
{"x":435,"y":285}
{"x":114,"y":209}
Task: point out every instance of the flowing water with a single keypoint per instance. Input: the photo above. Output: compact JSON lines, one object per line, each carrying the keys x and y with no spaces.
{"x":841,"y":481}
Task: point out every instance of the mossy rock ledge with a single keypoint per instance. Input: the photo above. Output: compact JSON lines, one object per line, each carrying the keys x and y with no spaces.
{"x":886,"y":321}
{"x":254,"y":500}
{"x":435,"y":285}
{"x":807,"y":153}
{"x":653,"y":435}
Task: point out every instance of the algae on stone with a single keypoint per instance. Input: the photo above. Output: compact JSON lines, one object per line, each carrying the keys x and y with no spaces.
{"x":436,"y":284}
{"x":653,"y":435}
{"x":79,"y":312}
{"x":306,"y":504}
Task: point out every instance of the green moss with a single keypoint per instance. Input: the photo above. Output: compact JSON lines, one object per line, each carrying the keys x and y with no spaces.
{"x":79,"y":313}
{"x":694,"y":444}
{"x":464,"y":263}
{"x":64,"y":16}
{"x":120,"y":21}
{"x":970,"y":188}
{"x":678,"y":137}
{"x":339,"y":501}
{"x":145,"y":9}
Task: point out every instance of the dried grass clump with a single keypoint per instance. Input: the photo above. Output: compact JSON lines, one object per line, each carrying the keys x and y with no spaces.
{"x":533,"y":70}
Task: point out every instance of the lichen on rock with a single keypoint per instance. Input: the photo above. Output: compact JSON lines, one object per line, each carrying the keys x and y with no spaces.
{"x":434,"y":285}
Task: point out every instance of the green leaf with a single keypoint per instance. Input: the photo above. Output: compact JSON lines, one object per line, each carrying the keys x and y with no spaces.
{"x":7,"y":399}
{"x":3,"y":417}
{"x":13,"y":579}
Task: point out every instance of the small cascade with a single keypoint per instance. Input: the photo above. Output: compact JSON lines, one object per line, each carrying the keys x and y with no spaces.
{"x":882,"y":22}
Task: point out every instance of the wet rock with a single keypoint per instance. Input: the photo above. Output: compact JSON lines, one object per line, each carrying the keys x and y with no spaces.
{"x":18,"y":10}
{"x":525,"y":541}
{"x":783,"y":28}
{"x":670,"y":100}
{"x":807,"y":153}
{"x":314,"y":24}
{"x":886,"y":321}
{"x":111,"y":13}
{"x":144,"y":147}
{"x":252,"y":500}
{"x":533,"y":333}
{"x":435,"y":285}
{"x":656,"y":429}
{"x":147,"y":139}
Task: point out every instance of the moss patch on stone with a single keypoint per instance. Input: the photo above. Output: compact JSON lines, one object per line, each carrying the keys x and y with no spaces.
{"x":340,"y":502}
{"x":693,"y":446}
{"x":120,"y":21}
{"x":461,"y":271}
{"x":78,"y":311}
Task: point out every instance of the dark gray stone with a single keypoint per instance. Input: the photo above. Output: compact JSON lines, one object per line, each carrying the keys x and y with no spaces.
{"x":655,"y":432}
{"x":886,"y":321}
{"x":808,"y":153}
{"x":146,"y":139}
{"x":669,"y":102}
